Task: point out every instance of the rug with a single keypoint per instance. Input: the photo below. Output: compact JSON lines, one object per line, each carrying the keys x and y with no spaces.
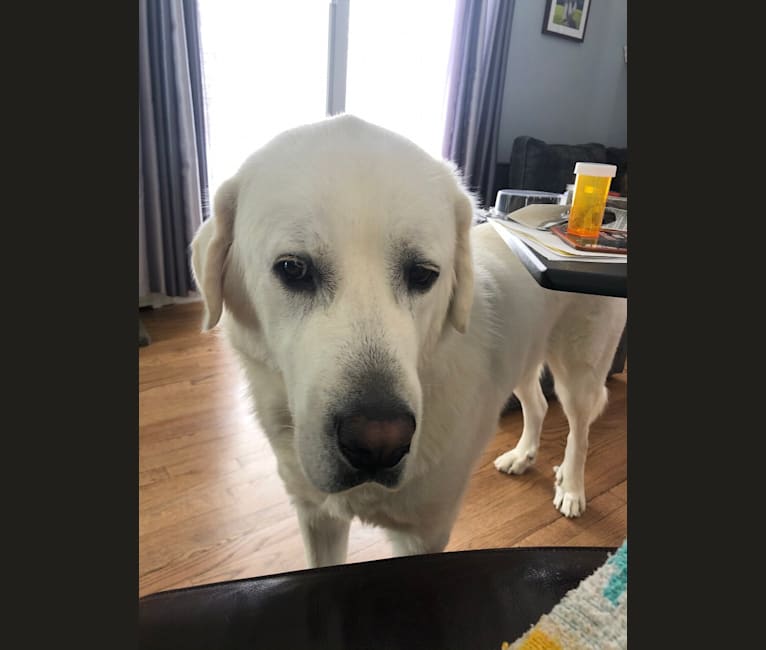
{"x":593,"y":615}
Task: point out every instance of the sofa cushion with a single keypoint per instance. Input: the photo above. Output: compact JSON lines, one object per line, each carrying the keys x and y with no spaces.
{"x":536,"y":165}
{"x":619,"y":156}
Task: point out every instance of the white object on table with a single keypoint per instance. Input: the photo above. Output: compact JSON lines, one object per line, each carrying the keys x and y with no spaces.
{"x":550,"y":246}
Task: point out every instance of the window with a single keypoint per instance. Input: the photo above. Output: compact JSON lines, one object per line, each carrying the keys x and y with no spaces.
{"x":398,"y":52}
{"x":266,"y":70}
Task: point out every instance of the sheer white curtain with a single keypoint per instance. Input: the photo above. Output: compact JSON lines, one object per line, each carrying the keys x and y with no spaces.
{"x":398,"y":56}
{"x":266,"y":70}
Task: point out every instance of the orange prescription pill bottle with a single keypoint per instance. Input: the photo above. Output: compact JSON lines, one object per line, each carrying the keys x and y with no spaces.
{"x":590,"y":191}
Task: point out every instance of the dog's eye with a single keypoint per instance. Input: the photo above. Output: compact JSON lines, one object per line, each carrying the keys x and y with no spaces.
{"x":294,"y":272}
{"x":421,"y":277}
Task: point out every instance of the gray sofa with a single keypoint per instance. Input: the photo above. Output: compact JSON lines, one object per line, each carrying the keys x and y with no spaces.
{"x":536,"y":165}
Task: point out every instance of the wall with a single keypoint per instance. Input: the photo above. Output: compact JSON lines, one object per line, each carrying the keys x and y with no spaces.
{"x":562,"y":91}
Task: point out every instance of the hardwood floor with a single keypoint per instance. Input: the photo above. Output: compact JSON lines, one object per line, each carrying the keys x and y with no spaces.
{"x":211,"y":506}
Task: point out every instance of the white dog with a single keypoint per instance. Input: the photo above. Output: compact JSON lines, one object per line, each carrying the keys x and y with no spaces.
{"x":381,"y":334}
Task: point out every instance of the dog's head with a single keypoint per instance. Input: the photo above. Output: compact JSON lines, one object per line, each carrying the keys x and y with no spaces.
{"x":344,"y":250}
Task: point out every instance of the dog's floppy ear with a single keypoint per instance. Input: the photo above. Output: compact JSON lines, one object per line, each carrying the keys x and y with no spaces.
{"x":462,"y":284}
{"x":209,"y":249}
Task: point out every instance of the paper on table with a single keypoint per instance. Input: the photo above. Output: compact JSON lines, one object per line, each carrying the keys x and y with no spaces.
{"x":536,"y":214}
{"x":553,"y":248}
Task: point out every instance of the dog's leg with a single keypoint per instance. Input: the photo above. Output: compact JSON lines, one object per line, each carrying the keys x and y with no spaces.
{"x":418,"y":542}
{"x":325,"y":538}
{"x":579,"y":384}
{"x":579,"y":358}
{"x":582,"y":404}
{"x":534,"y":406}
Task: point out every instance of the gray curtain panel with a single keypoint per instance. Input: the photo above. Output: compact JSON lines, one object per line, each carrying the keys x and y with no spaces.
{"x":172,"y":180}
{"x":478,"y":62}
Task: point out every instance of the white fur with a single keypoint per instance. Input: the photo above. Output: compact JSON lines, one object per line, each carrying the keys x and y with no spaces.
{"x":354,"y":194}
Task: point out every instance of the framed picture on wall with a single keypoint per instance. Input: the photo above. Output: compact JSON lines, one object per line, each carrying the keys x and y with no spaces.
{"x":566,"y":18}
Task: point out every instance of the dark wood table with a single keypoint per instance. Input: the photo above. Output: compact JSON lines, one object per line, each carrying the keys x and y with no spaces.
{"x":600,"y":278}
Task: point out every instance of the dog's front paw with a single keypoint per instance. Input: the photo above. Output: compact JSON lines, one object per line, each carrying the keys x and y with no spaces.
{"x":568,"y":500}
{"x":516,"y":461}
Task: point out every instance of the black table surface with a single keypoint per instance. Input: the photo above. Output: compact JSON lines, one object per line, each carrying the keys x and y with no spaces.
{"x":444,"y":601}
{"x":600,"y":278}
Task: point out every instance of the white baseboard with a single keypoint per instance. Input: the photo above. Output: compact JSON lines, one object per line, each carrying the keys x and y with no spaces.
{"x":156,"y":300}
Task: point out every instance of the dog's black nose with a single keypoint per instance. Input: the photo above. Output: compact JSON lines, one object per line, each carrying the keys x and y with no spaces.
{"x":373,"y":440}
